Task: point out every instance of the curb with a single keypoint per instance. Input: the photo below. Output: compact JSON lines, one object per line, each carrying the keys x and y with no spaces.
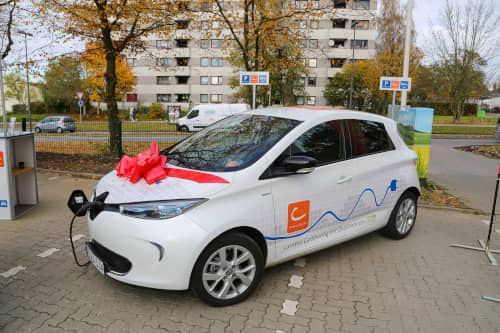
{"x":463,"y":136}
{"x":471,"y":211}
{"x":73,"y":174}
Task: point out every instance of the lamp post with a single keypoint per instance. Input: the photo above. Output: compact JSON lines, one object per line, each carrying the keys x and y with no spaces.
{"x":27,"y":71}
{"x":353,"y":25}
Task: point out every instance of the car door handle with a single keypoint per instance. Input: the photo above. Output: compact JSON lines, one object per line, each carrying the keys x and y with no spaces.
{"x":344,"y":179}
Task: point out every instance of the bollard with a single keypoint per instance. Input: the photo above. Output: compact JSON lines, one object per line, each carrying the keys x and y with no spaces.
{"x":23,"y":124}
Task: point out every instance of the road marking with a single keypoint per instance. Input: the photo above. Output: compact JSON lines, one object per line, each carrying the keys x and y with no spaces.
{"x":296,"y":281}
{"x":280,"y":331}
{"x":12,"y":271}
{"x":300,"y":262}
{"x":47,"y":253}
{"x":78,"y":237}
{"x":53,"y":178}
{"x":289,"y":307}
{"x":485,"y":221}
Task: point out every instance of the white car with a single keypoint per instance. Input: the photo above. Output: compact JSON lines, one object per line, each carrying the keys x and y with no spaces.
{"x":251,"y":191}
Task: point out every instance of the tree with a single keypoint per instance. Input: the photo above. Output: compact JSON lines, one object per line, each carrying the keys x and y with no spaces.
{"x":63,"y":79}
{"x":7,"y":10}
{"x":94,"y":61}
{"x":15,"y":86}
{"x":120,"y":26}
{"x":462,"y":47}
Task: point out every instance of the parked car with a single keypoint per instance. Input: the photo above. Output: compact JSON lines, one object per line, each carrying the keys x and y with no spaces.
{"x":498,"y":129}
{"x":57,"y":124}
{"x":251,"y":191}
{"x":203,"y":115}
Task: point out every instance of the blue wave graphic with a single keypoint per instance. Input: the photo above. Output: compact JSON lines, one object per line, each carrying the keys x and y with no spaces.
{"x":393,"y":186}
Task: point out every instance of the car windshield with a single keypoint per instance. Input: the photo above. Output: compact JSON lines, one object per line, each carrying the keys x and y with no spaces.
{"x":231,"y":144}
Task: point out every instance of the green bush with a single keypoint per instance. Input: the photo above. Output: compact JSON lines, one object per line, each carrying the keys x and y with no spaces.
{"x":156,"y":111}
{"x":19,"y":108}
{"x":38,"y":107}
{"x":444,"y":108}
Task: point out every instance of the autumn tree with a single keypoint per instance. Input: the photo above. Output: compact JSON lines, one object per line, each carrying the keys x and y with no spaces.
{"x":7,"y":11}
{"x":120,"y":26}
{"x":15,"y":86}
{"x":94,"y":63}
{"x":467,"y":39}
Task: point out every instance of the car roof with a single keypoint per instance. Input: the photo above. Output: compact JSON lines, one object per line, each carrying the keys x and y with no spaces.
{"x":309,"y":113}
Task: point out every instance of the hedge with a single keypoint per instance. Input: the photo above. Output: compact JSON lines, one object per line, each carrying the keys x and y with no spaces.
{"x":444,"y":108}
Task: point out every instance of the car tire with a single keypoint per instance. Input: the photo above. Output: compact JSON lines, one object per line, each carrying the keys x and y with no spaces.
{"x":403,"y":217}
{"x":37,"y":130}
{"x":225,"y":281}
{"x":60,"y":130}
{"x":184,"y":129}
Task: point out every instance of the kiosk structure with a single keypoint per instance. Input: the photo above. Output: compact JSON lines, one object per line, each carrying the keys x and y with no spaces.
{"x":18,"y":183}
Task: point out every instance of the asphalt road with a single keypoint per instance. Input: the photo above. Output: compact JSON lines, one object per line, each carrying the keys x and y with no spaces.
{"x":467,"y":175}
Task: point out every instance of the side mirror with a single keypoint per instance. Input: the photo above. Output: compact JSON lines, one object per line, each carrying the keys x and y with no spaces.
{"x":300,"y":164}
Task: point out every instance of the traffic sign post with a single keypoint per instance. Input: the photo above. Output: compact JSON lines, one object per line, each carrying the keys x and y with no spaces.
{"x":254,"y":79}
{"x":394,"y":84}
{"x":79,"y":94}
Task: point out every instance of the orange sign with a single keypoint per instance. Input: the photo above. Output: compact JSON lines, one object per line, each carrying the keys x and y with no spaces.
{"x":2,"y":162}
{"x":254,"y":78}
{"x":395,"y":84}
{"x":298,"y":216}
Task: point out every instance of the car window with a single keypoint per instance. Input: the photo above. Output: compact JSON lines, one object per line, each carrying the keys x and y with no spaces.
{"x":367,"y":137}
{"x":323,"y":142}
{"x":231,"y":144}
{"x":193,"y":114}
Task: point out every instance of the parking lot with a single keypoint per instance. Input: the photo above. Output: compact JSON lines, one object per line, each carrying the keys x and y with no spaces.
{"x":371,"y":284}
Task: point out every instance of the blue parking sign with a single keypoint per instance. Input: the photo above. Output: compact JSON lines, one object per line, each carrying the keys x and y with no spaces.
{"x":245,"y":78}
{"x":386,"y":84}
{"x":263,"y":79}
{"x":404,"y":85}
{"x":80,"y":103}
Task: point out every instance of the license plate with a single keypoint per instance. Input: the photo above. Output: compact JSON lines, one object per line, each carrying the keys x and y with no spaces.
{"x":98,"y":264}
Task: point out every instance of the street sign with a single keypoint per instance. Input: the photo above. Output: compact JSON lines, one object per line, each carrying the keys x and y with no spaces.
{"x":80,"y":103}
{"x":254,"y":78}
{"x":79,"y":94}
{"x":395,"y":83}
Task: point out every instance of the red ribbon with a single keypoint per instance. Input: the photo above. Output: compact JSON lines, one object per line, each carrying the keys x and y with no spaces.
{"x":150,"y":165}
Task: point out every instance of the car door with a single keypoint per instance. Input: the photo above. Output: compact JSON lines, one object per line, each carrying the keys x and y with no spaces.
{"x":371,"y":174}
{"x":310,"y":208}
{"x":45,"y":124}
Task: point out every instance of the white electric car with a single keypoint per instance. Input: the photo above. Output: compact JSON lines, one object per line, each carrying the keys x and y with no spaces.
{"x":251,"y":191}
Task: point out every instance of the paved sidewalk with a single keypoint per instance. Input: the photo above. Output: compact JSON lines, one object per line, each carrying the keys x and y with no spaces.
{"x":371,"y":284}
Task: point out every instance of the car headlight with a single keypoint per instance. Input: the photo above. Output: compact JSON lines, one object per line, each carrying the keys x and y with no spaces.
{"x":159,"y":210}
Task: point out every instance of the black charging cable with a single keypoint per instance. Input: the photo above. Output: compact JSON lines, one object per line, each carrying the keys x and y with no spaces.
{"x":81,"y":211}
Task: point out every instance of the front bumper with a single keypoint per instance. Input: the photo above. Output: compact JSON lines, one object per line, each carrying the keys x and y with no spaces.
{"x":161,"y":253}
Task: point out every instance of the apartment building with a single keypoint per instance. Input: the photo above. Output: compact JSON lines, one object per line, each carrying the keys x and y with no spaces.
{"x":191,"y":67}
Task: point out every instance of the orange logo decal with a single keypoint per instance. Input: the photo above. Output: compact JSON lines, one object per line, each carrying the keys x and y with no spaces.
{"x":395,"y":84}
{"x":254,"y":78}
{"x":2,"y":162}
{"x":298,"y":216}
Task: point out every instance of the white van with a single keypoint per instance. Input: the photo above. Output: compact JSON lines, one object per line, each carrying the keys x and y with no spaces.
{"x":203,"y":115}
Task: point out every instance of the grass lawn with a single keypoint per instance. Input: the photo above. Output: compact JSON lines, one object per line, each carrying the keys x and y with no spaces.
{"x":94,"y":148}
{"x":463,"y":130}
{"x":465,"y":120}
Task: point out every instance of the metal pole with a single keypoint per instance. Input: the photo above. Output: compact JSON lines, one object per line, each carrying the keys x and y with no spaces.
{"x":392,"y":112}
{"x":27,"y":77}
{"x":270,"y":92}
{"x":80,"y":114}
{"x":2,"y":95}
{"x":352,"y":67}
{"x":406,"y":62}
{"x":254,"y":88}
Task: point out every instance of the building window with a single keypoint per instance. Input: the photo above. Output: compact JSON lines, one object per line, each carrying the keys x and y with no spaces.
{"x":216,"y":80}
{"x":204,"y":80}
{"x":206,"y":6}
{"x":339,"y":4}
{"x":163,"y":44}
{"x":300,"y":100}
{"x":182,"y":79}
{"x":359,"y":44}
{"x":216,"y":43}
{"x":182,"y":61}
{"x":181,"y":43}
{"x":311,"y":100}
{"x":181,"y":24}
{"x":315,"y":3}
{"x":311,"y":81}
{"x":216,"y":98}
{"x":337,"y":43}
{"x":163,"y":80}
{"x":302,"y":43}
{"x":361,"y":24}
{"x":205,"y":44}
{"x":300,"y":24}
{"x":314,"y":24}
{"x":131,"y":61}
{"x":163,"y":98}
{"x":131,"y":97}
{"x":164,"y":62}
{"x":301,"y":4}
{"x":205,"y":25}
{"x":337,"y":62}
{"x":339,"y":23}
{"x":182,"y":98}
{"x":361,"y":4}
{"x":216,"y":24}
{"x":203,"y":98}
{"x":313,"y":43}
{"x":216,"y":62}
{"x":204,"y":62}
{"x":312,"y":62}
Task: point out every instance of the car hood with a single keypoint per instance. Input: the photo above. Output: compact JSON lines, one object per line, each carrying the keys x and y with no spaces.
{"x":180,"y":184}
